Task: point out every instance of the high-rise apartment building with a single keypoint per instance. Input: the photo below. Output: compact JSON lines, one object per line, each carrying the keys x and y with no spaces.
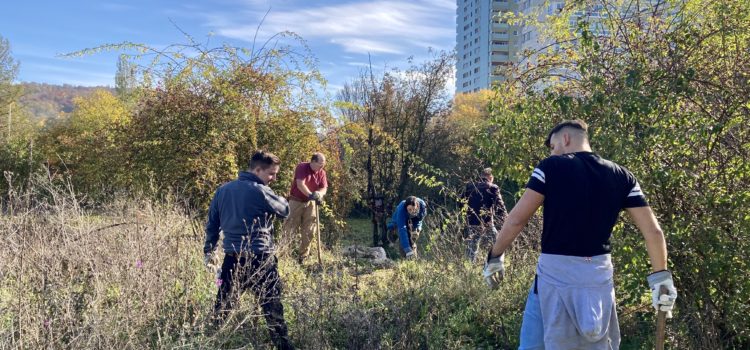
{"x":483,"y":42}
{"x":528,"y":35}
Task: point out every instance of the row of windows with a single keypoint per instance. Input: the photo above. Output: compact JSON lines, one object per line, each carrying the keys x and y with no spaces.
{"x":468,"y":64}
{"x":475,"y":51}
{"x":466,"y":7}
{"x":467,"y":74}
{"x":468,"y":83}
{"x":466,"y":17}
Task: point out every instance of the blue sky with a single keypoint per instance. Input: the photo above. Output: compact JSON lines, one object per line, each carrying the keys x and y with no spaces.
{"x":340,"y":33}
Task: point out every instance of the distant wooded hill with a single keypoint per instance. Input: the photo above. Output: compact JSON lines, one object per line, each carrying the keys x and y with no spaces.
{"x":47,"y":101}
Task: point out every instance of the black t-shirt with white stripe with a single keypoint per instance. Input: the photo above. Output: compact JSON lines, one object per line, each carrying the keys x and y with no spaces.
{"x":583,"y":195}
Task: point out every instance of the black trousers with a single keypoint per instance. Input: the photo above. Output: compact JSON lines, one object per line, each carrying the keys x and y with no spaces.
{"x":259,"y":273}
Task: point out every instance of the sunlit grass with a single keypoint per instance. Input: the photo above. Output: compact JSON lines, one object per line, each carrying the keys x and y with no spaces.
{"x":130,"y":275}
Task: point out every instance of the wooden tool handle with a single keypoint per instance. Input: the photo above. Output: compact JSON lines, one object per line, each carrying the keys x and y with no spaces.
{"x":661,"y":322}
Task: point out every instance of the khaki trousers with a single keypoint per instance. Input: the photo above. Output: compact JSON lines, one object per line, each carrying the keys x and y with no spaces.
{"x":301,"y":218}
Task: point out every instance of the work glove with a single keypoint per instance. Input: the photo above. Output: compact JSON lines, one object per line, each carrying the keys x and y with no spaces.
{"x":208,"y":260}
{"x":494,"y":270}
{"x":664,"y":302}
{"x":316,"y":196}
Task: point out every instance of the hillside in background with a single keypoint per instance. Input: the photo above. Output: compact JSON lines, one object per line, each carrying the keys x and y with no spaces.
{"x":47,"y":101}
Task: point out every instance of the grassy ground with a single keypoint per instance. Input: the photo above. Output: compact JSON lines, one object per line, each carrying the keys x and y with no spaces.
{"x":131,"y":277}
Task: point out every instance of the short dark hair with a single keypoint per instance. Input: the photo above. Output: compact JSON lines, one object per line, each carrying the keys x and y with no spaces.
{"x":411,"y":200}
{"x":263,"y":159}
{"x":575,"y":124}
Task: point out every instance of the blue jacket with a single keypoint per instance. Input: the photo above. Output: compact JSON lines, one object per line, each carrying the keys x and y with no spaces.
{"x":244,"y":209}
{"x":401,"y":220}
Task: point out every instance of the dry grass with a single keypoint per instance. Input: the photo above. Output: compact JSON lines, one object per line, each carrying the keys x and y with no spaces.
{"x":129,"y":275}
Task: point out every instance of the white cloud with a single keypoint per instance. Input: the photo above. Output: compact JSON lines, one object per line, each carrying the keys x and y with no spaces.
{"x":357,"y":45}
{"x":382,"y":26}
{"x":358,"y":64}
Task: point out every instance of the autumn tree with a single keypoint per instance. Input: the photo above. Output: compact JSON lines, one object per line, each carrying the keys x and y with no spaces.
{"x":198,"y":116}
{"x":87,"y":145}
{"x":393,"y":114}
{"x":8,"y":71}
{"x":18,"y":131}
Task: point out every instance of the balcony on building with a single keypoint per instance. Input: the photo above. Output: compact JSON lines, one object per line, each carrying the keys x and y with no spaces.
{"x":500,"y":36}
{"x":500,"y":57}
{"x":497,"y":27}
{"x":499,"y":47}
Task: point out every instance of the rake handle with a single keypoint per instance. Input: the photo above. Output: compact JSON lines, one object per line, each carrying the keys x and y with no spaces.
{"x":317,"y":231}
{"x":661,"y":322}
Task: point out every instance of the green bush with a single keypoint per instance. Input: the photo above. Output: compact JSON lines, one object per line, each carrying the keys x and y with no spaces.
{"x":667,"y":96}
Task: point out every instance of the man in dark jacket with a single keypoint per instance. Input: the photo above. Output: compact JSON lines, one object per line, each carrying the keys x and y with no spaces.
{"x":244,"y":210}
{"x":484,"y":203}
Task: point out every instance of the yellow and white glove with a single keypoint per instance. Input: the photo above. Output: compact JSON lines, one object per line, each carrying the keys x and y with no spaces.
{"x":664,"y":302}
{"x":494,"y":270}
{"x":208,"y":260}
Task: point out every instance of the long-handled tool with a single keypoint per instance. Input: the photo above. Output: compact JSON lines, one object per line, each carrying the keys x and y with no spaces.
{"x":661,"y":322}
{"x":317,"y":231}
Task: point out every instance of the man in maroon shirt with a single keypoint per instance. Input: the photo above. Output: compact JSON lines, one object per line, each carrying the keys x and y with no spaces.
{"x":308,"y":187}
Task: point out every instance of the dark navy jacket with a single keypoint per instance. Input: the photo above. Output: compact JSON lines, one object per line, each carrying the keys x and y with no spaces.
{"x":484,"y":203}
{"x":244,"y":209}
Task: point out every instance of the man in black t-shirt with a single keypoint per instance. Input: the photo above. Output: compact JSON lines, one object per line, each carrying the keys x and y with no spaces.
{"x":571,"y":303}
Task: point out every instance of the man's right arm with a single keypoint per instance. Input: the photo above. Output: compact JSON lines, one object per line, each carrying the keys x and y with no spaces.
{"x":655,"y":244}
{"x":517,"y":219}
{"x":302,"y":187}
{"x":299,"y":179}
{"x":275,"y":204}
{"x":663,"y":291}
{"x":213,"y":225}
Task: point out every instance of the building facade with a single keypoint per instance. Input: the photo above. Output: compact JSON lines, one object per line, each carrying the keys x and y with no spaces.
{"x":484,"y":41}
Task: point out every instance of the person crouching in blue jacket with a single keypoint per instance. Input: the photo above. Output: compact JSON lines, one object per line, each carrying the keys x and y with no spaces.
{"x":407,"y":219}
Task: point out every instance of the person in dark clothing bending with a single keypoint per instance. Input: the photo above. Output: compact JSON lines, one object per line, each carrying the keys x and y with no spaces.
{"x":244,"y":210}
